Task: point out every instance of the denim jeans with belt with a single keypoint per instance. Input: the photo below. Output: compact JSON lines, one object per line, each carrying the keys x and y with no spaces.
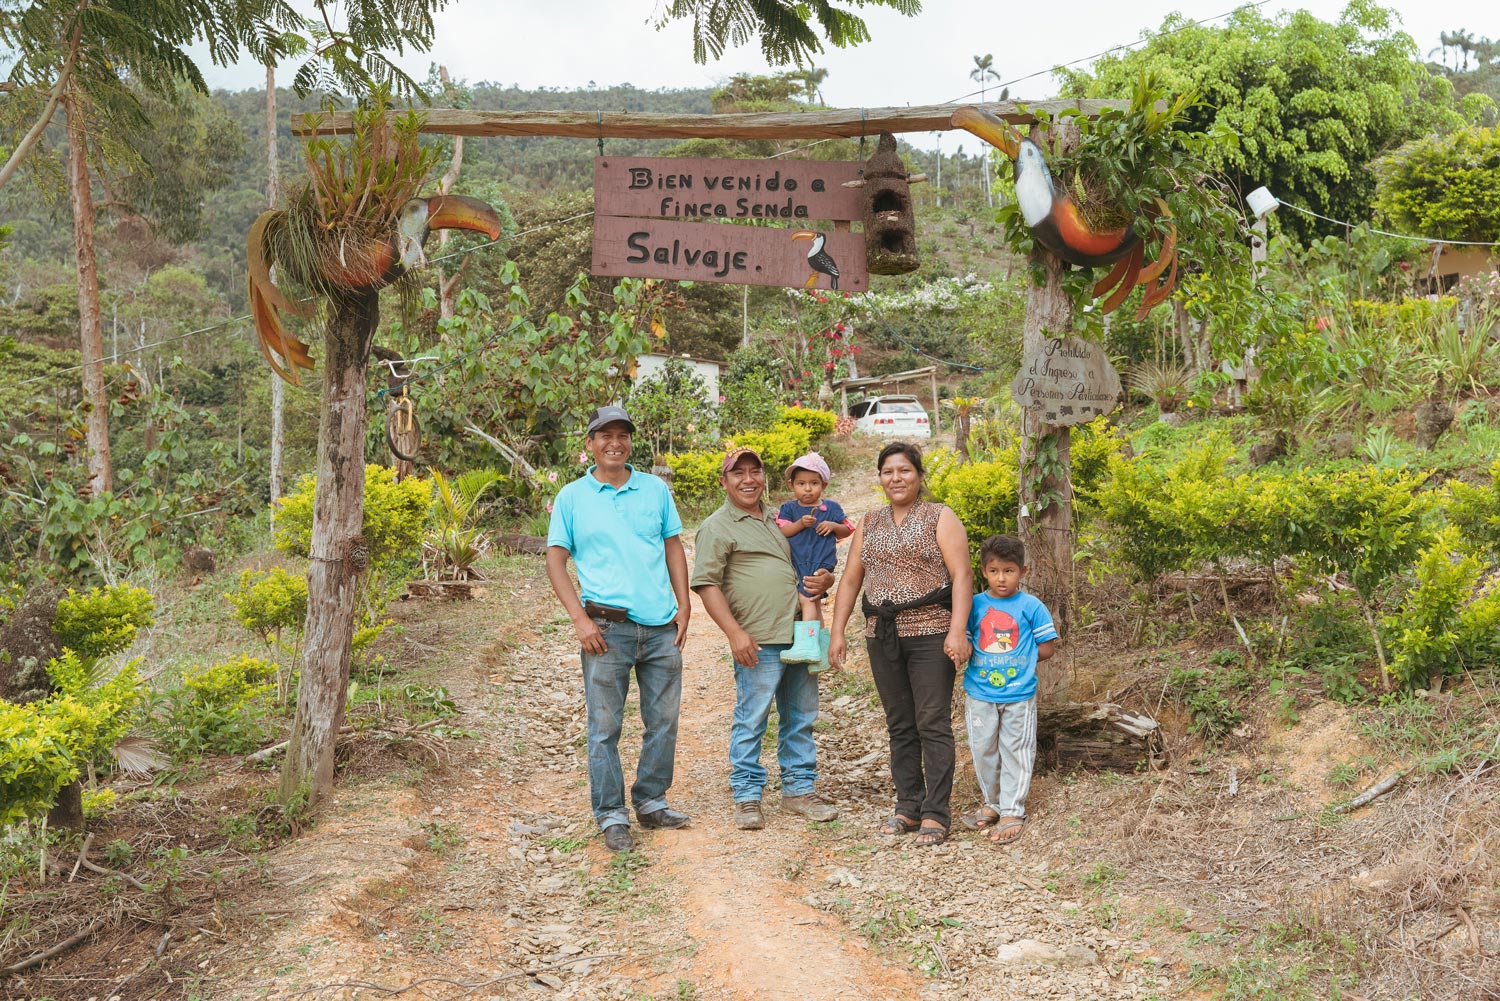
{"x":795,"y":692}
{"x":657,"y":663}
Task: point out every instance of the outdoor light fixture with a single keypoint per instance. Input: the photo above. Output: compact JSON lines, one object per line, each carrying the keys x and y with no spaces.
{"x":1261,"y":202}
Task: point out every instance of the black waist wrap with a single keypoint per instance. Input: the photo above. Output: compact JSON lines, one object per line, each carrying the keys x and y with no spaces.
{"x":885,"y":616}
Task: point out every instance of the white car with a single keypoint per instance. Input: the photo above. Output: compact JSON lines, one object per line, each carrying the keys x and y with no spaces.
{"x":898,"y":416}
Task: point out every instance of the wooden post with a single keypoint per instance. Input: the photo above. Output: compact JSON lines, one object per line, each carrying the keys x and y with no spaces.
{"x":937,"y":423}
{"x":338,"y":553}
{"x":1046,"y":487}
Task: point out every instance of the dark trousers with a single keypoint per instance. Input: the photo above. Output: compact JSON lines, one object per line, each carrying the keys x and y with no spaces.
{"x":917,"y":693}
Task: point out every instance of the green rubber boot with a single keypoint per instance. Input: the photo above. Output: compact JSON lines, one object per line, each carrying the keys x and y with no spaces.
{"x":824,"y":638}
{"x":804,"y":649}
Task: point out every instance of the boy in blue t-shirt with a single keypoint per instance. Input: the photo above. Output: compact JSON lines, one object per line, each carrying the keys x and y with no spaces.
{"x":1010,"y":631}
{"x":813,"y":527}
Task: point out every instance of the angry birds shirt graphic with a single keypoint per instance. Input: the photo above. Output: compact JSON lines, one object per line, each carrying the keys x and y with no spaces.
{"x":998,"y":632}
{"x":1005,"y":633}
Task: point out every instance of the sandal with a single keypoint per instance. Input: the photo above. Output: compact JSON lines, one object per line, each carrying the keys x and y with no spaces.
{"x":931,"y":837}
{"x":980,"y":819}
{"x":1009,"y":831}
{"x":899,"y":825}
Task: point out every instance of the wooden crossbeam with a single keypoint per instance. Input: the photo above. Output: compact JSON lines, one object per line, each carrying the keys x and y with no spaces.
{"x":843,"y":123}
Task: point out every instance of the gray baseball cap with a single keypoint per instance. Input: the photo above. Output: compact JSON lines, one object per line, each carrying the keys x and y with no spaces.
{"x":608,"y":415}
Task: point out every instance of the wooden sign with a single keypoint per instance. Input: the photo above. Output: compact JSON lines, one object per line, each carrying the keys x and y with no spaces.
{"x":732,"y":255}
{"x":695,"y":188}
{"x":1069,"y":382}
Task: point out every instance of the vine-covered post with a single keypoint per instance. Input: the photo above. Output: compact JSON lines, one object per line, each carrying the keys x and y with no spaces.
{"x":1046,"y":493}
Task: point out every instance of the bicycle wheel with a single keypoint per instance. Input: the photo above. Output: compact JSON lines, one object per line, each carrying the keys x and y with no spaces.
{"x":403,"y":434}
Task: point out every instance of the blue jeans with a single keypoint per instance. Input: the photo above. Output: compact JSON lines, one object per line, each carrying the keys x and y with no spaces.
{"x":795,"y":693}
{"x":657,"y":662}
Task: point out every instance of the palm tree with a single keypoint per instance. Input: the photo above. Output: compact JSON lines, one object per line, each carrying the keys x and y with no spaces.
{"x":812,"y":80}
{"x":983,"y":73}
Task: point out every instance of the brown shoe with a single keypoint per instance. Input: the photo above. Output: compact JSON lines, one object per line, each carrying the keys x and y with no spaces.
{"x":812,"y":806}
{"x":748,"y":815}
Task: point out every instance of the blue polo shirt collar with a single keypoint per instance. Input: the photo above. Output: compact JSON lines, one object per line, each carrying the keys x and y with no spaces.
{"x":600,"y":486}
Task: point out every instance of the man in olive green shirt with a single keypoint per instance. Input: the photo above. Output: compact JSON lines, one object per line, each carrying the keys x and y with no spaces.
{"x":743,"y":573}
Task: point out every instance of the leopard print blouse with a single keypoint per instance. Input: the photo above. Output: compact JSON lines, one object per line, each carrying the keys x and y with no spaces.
{"x":902,"y":563}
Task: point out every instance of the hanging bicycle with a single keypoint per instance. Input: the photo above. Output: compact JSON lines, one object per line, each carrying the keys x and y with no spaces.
{"x":403,"y":431}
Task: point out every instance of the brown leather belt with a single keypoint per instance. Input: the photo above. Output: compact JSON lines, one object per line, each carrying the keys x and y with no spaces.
{"x":607,"y":612}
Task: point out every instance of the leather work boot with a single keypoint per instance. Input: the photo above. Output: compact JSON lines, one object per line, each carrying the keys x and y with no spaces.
{"x":663,"y":819}
{"x":812,"y":806}
{"x":748,"y":815}
{"x":617,"y":838}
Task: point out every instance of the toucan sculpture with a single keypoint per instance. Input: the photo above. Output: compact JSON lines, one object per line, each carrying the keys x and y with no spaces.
{"x":818,"y":259}
{"x":351,"y":265}
{"x":1057,"y":222}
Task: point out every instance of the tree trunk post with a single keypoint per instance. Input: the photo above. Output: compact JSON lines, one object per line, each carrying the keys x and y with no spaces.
{"x":278,"y":387}
{"x":1046,"y":492}
{"x":338,"y":554}
{"x":90,"y":323}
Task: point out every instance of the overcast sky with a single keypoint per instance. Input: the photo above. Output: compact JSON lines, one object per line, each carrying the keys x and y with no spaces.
{"x":921,"y":60}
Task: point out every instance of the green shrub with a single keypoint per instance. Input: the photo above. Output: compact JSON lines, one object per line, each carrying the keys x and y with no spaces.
{"x":269,"y":601}
{"x":819,"y":423}
{"x":395,"y":516}
{"x":1090,"y":447}
{"x":47,"y":744}
{"x":1475,"y":511}
{"x":984,"y":495}
{"x":695,"y":475}
{"x":1159,"y":517}
{"x":779,"y":447}
{"x":1441,"y":622}
{"x":36,"y":757}
{"x":219,"y":709}
{"x":1369,"y":523}
{"x":103,"y":621}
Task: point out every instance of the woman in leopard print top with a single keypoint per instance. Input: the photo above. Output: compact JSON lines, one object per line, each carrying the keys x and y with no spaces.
{"x":912,"y":558}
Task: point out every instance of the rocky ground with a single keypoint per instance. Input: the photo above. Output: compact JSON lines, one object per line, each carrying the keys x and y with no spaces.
{"x":468,"y":866}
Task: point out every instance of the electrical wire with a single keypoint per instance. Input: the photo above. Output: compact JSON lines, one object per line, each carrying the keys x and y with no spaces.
{"x":1383,"y":232}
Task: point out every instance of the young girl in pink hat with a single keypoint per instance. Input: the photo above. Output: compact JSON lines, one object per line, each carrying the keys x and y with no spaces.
{"x":814,"y":526}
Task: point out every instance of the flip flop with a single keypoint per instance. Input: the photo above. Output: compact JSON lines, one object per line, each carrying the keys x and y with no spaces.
{"x":1008,"y":832}
{"x":979,"y":819}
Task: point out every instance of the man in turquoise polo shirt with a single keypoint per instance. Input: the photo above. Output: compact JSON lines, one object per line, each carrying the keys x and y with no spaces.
{"x":623,"y":532}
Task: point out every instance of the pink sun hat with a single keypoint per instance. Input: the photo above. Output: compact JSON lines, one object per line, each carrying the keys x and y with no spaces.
{"x":813,"y":463}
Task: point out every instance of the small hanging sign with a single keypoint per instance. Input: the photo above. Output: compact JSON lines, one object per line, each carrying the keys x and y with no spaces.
{"x":1070,"y":381}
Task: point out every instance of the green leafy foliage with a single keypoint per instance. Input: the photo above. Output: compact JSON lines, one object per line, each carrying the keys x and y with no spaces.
{"x":1442,"y":623}
{"x":395,"y":516}
{"x":985,"y":495}
{"x":819,"y":423}
{"x":1445,"y":186}
{"x":219,"y":709}
{"x":695,"y":475}
{"x":269,"y":601}
{"x":458,"y":541}
{"x":1475,"y":511}
{"x":103,"y":621}
{"x":47,"y":744}
{"x":672,"y":412}
{"x":1312,"y":102}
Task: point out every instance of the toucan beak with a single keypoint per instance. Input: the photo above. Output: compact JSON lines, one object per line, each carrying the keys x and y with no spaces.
{"x":995,"y":131}
{"x":461,"y":212}
{"x":804,"y":234}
